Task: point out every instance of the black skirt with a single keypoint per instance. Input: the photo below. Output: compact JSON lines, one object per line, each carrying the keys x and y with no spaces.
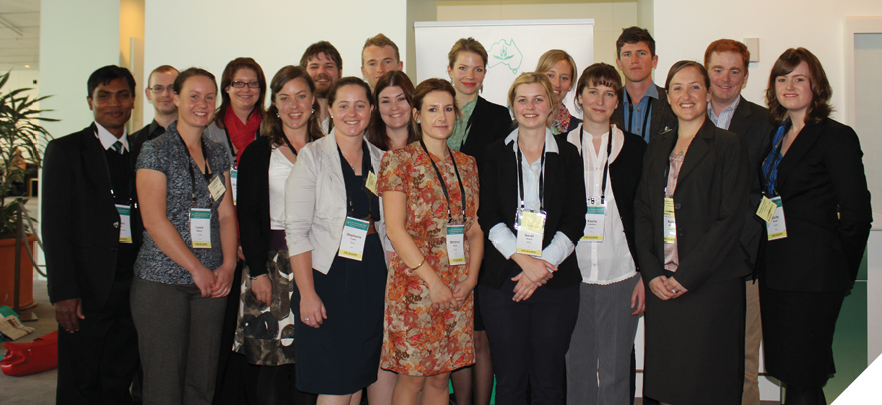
{"x":695,"y":345}
{"x":342,"y":356}
{"x":798,"y":332}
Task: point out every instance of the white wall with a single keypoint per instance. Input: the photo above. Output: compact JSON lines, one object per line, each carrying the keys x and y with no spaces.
{"x":684,"y":28}
{"x":273,"y":32}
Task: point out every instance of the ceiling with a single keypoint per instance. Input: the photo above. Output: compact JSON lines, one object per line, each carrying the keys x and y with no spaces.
{"x":19,"y":35}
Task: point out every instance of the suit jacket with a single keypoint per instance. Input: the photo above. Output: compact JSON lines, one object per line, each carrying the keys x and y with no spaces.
{"x":661,"y":117}
{"x":709,"y":203}
{"x":488,"y":123}
{"x":821,"y":171}
{"x":253,"y":206}
{"x":149,"y":132}
{"x":564,"y":204}
{"x":80,"y":223}
{"x":752,"y":122}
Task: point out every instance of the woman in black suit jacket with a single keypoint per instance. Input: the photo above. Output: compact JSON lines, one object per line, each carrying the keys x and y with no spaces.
{"x":815,"y":167}
{"x":695,"y":265}
{"x":530,"y":302}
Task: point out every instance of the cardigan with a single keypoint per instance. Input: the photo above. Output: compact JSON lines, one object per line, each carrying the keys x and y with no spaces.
{"x":252,"y":204}
{"x":488,"y":123}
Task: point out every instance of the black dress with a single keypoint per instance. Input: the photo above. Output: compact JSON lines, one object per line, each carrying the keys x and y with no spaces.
{"x":342,"y":356}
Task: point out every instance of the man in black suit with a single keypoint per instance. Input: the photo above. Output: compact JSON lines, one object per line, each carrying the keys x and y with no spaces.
{"x":726,"y":62}
{"x":160,"y":92}
{"x":91,"y":246}
{"x":643,"y":109}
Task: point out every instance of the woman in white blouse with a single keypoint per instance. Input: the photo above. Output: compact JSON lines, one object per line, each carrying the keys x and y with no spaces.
{"x":612,"y":296}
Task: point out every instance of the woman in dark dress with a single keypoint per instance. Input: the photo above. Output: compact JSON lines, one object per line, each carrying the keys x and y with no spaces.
{"x":814,"y":173}
{"x":687,"y":226}
{"x":334,"y":230}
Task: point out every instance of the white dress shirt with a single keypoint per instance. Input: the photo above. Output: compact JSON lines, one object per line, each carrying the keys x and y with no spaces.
{"x":107,"y":139}
{"x":608,"y":261}
{"x":279,"y":169}
{"x":502,"y":237}
{"x":725,"y":118}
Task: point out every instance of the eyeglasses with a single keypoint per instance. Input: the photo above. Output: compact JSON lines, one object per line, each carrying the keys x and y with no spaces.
{"x":239,"y":84}
{"x":159,"y":89}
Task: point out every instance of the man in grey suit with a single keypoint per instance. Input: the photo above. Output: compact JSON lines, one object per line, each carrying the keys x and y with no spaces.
{"x":726,"y":62}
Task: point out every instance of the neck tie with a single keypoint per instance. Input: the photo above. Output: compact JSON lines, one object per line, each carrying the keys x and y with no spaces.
{"x":118,"y":147}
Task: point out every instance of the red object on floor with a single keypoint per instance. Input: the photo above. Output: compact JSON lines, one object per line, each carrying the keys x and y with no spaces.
{"x":31,"y":358}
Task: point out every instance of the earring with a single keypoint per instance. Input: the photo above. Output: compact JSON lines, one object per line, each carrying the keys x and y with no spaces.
{"x":418,"y":121}
{"x":278,"y":116}
{"x":313,"y":111}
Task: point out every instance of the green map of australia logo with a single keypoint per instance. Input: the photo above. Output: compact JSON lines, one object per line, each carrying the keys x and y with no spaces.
{"x":506,"y":53}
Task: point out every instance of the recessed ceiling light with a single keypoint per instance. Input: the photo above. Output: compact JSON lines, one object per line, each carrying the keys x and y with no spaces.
{"x":27,"y":66}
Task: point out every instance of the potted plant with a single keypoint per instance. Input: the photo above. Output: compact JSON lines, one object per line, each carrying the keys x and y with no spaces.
{"x":21,"y":136}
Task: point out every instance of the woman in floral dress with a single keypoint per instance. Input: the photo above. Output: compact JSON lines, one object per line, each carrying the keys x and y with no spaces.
{"x":430,"y":198}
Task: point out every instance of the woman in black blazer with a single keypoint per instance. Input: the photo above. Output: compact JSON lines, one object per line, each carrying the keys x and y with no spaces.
{"x":266,"y":326}
{"x":815,"y":168}
{"x":693,"y":263}
{"x":530,"y":300}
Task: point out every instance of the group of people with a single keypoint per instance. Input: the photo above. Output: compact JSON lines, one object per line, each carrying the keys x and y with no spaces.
{"x":383,"y":236}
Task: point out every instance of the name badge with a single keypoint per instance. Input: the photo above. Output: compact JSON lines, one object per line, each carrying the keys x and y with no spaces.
{"x":234,"y":180}
{"x":531,"y":228}
{"x":354,"y":235}
{"x":766,"y":209}
{"x":455,"y":244}
{"x":670,"y":223}
{"x":371,"y":183}
{"x":125,"y":223}
{"x":777,"y":227}
{"x":200,"y":228}
{"x":217,"y":188}
{"x":594,"y":221}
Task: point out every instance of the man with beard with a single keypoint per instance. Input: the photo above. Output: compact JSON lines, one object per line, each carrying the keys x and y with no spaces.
{"x":324,"y":65}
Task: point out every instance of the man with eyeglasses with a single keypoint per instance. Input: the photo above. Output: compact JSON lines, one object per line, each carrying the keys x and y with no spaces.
{"x":324,"y":65}
{"x":160,"y":93}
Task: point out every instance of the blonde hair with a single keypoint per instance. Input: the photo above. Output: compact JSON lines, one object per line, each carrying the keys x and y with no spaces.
{"x":534,"y":77}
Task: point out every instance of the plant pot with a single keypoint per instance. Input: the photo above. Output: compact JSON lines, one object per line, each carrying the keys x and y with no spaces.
{"x":7,"y":274}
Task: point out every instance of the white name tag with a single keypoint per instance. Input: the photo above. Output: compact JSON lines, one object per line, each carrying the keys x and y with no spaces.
{"x":670,"y":223}
{"x":217,"y":188}
{"x":200,"y":228}
{"x":455,"y":244}
{"x":354,"y":235}
{"x":234,"y":180}
{"x":594,"y":221}
{"x":125,"y":223}
{"x":777,"y":227}
{"x":531,"y":226}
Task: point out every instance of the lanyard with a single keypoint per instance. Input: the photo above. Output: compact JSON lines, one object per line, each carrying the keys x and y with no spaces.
{"x":233,"y":148}
{"x":366,"y":167}
{"x":775,"y":155}
{"x":605,"y":166}
{"x":285,"y":137}
{"x":541,"y":179}
{"x":444,"y":185}
{"x":110,"y":178}
{"x":190,"y":166}
{"x":631,"y":112}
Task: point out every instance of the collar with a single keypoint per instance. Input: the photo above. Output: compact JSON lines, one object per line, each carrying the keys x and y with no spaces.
{"x":651,"y":92}
{"x":550,"y":144}
{"x":732,"y":107}
{"x":107,"y":139}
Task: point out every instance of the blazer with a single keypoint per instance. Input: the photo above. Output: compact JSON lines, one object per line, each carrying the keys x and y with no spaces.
{"x":488,"y":123}
{"x":752,"y":122}
{"x":564,"y":204}
{"x":80,"y":223}
{"x":821,"y":171}
{"x":315,"y":201}
{"x":661,"y":117}
{"x":709,"y":203}
{"x":252,"y":206}
{"x":624,"y":176}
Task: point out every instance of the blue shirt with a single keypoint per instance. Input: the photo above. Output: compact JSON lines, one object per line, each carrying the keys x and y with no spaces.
{"x":634,"y":124}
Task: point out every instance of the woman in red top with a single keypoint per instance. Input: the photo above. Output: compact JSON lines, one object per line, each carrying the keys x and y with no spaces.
{"x":243,"y":91}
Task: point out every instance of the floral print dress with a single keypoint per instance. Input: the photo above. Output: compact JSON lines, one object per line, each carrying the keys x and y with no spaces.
{"x":418,"y":339}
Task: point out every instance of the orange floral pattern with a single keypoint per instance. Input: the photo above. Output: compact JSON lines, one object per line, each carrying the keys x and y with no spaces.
{"x":419,"y":340}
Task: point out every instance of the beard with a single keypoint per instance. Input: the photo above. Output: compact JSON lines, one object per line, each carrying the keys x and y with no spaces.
{"x":320,"y":90}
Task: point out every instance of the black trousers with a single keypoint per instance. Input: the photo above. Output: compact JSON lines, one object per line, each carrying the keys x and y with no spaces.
{"x":529,"y":341}
{"x":96,"y":363}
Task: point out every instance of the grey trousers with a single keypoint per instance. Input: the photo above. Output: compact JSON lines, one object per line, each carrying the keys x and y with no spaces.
{"x":599,"y":358}
{"x":179,"y":335}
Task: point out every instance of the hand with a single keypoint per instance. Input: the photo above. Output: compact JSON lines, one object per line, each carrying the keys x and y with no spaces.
{"x":441,"y":296}
{"x":524,"y":289}
{"x":638,"y":297}
{"x":537,"y":270}
{"x":312,"y":310}
{"x":675,"y":288}
{"x":223,"y":281}
{"x":240,"y":253}
{"x":462,"y":290}
{"x":204,"y":279}
{"x":657,"y":286}
{"x":68,"y":313}
{"x":262,"y":288}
